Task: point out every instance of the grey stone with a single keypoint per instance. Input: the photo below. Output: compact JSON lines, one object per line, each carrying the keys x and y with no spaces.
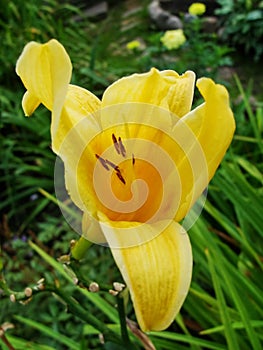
{"x":163,"y":19}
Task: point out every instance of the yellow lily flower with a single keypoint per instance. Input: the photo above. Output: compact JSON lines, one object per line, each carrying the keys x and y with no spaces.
{"x":135,"y":163}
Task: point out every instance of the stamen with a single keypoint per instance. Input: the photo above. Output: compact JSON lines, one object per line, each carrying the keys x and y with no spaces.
{"x":133,"y":159}
{"x":116,"y":145}
{"x":120,"y":177}
{"x":114,"y":166}
{"x":103,"y":162}
{"x":122,"y":148}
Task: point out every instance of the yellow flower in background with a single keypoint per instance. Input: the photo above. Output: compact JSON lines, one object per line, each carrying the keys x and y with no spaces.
{"x":197,"y":9}
{"x":132,"y":45}
{"x":173,"y":39}
{"x":135,"y":163}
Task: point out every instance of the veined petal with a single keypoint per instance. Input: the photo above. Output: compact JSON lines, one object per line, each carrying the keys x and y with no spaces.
{"x":213,"y":122}
{"x":45,"y":70}
{"x":79,"y":112}
{"x":165,"y":89}
{"x":30,"y":103}
{"x":71,"y":133}
{"x":157,"y":273}
{"x":91,"y":229}
{"x":205,"y":134}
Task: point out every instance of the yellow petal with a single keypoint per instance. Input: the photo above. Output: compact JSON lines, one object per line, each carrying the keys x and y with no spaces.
{"x":204,"y":134}
{"x":157,"y":273}
{"x":166,"y":89}
{"x":30,"y":103}
{"x":91,"y":230}
{"x":71,"y":133}
{"x":213,"y":123}
{"x":45,"y":70}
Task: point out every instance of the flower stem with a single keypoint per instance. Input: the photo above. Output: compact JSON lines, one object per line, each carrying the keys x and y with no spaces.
{"x":124,"y":330}
{"x":5,"y":340}
{"x":80,"y":247}
{"x":86,"y":316}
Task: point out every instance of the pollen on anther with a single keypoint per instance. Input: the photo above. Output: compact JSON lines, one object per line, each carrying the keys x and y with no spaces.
{"x":121,"y":177}
{"x":116,"y":145}
{"x":122,"y":148}
{"x":102,"y":162}
{"x":114,"y":166}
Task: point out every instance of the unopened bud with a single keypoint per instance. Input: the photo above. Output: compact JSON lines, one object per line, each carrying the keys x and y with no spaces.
{"x":12,"y":298}
{"x":41,"y":281}
{"x":113,"y":292}
{"x":94,"y":287}
{"x":72,"y":244}
{"x":64,"y":259}
{"x":118,"y":286}
{"x":28,"y":292}
{"x":41,"y":286}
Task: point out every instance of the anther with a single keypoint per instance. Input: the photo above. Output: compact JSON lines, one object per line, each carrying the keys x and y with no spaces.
{"x":116,"y":145}
{"x":102,"y":162}
{"x":120,"y":177}
{"x":114,"y":166}
{"x":133,"y":159}
{"x":122,"y":148}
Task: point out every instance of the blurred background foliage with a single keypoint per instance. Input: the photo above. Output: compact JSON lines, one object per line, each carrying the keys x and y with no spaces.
{"x":224,"y":307}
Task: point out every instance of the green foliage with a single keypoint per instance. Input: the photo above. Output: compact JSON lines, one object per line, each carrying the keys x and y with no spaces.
{"x":242,"y":22}
{"x":202,"y":52}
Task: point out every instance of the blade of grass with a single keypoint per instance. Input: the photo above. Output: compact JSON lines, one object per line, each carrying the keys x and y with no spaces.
{"x":61,"y":338}
{"x":235,"y":325}
{"x":205,"y":344}
{"x":96,"y":299}
{"x":245,"y":317}
{"x":250,"y":113}
{"x":231,"y":337}
{"x":19,"y":343}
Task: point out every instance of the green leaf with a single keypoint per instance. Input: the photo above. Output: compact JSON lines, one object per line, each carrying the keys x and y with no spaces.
{"x":22,"y":344}
{"x":230,"y":334}
{"x":61,"y":338}
{"x":187,"y":339}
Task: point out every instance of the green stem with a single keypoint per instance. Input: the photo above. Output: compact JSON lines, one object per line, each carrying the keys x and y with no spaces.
{"x":74,"y":265}
{"x":6,"y":341}
{"x":73,"y":306}
{"x":86,"y":316}
{"x":123,"y":324}
{"x":80,"y":248}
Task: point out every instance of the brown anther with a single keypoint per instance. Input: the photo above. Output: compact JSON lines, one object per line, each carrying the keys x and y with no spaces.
{"x":94,"y":287}
{"x":28,"y":292}
{"x":120,"y":177}
{"x":133,"y":159}
{"x":114,"y":166}
{"x":116,"y":145}
{"x":102,"y":162}
{"x":122,"y":148}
